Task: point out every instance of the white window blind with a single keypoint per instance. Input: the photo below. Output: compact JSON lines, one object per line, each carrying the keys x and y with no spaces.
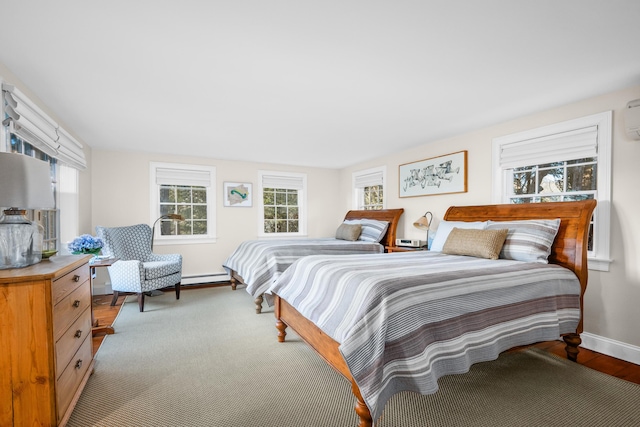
{"x":283,"y":181}
{"x":574,"y":144}
{"x":177,"y":176}
{"x":369,"y":179}
{"x":33,"y":125}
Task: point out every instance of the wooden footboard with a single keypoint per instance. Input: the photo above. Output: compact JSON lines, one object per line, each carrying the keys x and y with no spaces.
{"x":324,"y":345}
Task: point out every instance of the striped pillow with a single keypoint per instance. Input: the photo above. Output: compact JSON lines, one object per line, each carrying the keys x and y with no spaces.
{"x":372,"y":230}
{"x":527,"y":240}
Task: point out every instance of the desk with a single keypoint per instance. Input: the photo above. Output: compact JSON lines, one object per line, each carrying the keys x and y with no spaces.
{"x":95,"y":327}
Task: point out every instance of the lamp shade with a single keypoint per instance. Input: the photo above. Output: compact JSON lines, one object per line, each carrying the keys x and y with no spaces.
{"x":424,"y":221}
{"x":26,"y":182}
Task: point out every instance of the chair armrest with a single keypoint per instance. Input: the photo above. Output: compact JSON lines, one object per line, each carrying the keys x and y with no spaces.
{"x":173,"y":258}
{"x":131,"y":271}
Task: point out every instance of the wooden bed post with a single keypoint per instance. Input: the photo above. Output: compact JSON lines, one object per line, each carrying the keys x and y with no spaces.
{"x":233,"y":280}
{"x":361,"y":408}
{"x":280,"y":325}
{"x":572,"y":350}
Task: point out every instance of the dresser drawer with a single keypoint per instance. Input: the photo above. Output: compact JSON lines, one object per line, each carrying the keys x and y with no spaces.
{"x":71,"y":340}
{"x":64,"y":285}
{"x":70,"y":308}
{"x":72,"y":376}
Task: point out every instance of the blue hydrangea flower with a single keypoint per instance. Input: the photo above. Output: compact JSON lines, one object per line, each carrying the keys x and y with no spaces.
{"x":85,"y":243}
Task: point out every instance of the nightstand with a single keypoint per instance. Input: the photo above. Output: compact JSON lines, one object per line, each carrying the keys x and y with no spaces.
{"x":390,"y":249}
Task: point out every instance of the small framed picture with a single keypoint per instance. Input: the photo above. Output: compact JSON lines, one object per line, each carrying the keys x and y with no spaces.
{"x":238,"y":194}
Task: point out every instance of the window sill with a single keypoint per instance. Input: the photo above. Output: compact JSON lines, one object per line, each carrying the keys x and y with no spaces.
{"x":598,"y":264}
{"x":184,"y":241}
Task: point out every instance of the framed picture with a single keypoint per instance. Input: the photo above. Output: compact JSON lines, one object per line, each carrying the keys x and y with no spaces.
{"x":437,"y":175}
{"x":237,"y":194}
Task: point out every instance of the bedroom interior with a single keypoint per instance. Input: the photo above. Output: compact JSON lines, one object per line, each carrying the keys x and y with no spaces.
{"x":330,"y":95}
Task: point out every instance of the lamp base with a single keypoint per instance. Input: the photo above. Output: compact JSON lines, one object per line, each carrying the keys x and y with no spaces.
{"x":20,"y":240}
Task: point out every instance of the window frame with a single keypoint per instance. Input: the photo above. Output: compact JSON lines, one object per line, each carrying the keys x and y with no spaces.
{"x":358,"y":192}
{"x":599,"y":258}
{"x":302,"y":204}
{"x":154,"y":205}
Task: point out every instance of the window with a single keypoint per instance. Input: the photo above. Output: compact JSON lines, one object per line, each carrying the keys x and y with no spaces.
{"x":368,"y":188}
{"x":562,"y":162}
{"x":48,"y":218}
{"x":28,"y":130}
{"x":283,"y":203}
{"x":187,"y":190}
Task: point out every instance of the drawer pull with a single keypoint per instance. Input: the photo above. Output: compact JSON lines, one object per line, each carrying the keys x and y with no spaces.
{"x":78,"y":333}
{"x":76,"y":303}
{"x":76,"y":278}
{"x":78,"y":364}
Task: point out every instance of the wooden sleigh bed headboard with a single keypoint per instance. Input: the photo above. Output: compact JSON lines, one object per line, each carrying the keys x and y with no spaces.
{"x":569,"y":250}
{"x":392,"y":216}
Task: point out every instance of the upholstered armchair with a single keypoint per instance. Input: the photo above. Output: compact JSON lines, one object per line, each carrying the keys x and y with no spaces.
{"x":138,"y":270}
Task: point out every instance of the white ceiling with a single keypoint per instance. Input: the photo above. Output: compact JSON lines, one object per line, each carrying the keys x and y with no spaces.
{"x":322,"y":83}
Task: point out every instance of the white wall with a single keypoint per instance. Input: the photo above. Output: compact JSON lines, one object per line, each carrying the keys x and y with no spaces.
{"x":121,"y":197}
{"x":611,"y":301}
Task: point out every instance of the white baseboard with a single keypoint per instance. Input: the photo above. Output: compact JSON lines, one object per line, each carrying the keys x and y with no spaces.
{"x":613,"y":348}
{"x":205,"y":278}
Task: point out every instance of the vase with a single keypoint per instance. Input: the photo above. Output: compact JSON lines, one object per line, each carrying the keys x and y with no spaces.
{"x":94,"y":252}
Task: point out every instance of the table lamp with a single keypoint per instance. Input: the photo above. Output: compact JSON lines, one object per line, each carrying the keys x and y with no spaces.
{"x":423,"y":223}
{"x":25,"y":183}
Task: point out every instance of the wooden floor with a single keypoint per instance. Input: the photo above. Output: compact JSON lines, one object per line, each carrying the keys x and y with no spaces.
{"x":105,"y":314}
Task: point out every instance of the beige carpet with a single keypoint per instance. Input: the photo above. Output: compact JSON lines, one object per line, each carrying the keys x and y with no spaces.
{"x":209,"y":360}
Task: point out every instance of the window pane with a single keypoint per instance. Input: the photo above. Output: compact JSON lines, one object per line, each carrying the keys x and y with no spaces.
{"x":200,"y":212}
{"x":184,"y":194}
{"x":199,"y":195}
{"x":524,"y":182}
{"x":167,"y":194}
{"x":292,"y":197}
{"x":281,"y":212}
{"x":293,"y":213}
{"x":269,"y":197}
{"x":199,"y":227}
{"x":550,"y":182}
{"x":269,"y":212}
{"x":581,"y":178}
{"x":281,"y":198}
{"x":270,"y":226}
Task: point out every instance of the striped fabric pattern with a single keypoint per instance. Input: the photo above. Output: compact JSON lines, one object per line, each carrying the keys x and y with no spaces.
{"x":260,"y":262}
{"x":372,"y":229}
{"x":403,"y":320}
{"x":527,"y":240}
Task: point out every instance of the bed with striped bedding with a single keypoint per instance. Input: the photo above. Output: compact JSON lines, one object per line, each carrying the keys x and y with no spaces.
{"x":258,"y":263}
{"x":261,"y":262}
{"x":403,"y":320}
{"x":399,"y":321}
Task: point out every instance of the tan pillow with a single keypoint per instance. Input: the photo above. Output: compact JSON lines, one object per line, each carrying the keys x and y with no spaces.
{"x":349,"y":232}
{"x":477,"y":243}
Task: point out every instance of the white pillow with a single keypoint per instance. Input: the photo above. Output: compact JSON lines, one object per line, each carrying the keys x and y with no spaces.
{"x":445,"y":228}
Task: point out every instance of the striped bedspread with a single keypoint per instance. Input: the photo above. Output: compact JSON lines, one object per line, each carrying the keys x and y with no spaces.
{"x":260,"y":262}
{"x":403,"y":320}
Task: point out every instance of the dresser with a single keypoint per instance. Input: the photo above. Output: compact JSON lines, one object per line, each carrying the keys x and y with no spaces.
{"x":45,"y":340}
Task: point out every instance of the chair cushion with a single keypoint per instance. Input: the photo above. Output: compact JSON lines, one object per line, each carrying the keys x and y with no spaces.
{"x":157,"y":269}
